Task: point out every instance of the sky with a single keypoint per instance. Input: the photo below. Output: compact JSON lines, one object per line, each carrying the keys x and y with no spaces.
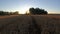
{"x":51,"y":6}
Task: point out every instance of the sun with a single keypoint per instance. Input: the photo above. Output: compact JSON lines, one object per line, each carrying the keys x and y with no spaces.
{"x":24,"y":9}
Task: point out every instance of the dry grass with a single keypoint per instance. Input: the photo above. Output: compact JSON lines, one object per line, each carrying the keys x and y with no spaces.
{"x":45,"y":24}
{"x":50,"y":24}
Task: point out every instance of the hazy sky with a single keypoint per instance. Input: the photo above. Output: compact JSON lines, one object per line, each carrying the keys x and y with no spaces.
{"x":52,"y":6}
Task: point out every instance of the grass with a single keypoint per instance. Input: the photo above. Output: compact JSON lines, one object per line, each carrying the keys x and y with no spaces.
{"x":33,"y":24}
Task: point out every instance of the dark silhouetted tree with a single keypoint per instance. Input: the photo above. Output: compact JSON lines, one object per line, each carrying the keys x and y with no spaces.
{"x":32,"y":11}
{"x":37,"y":11}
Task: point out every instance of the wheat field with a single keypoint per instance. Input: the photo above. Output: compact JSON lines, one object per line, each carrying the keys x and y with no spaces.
{"x":30,"y":24}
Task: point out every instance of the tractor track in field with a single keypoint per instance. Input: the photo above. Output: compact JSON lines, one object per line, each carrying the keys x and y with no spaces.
{"x":33,"y":28}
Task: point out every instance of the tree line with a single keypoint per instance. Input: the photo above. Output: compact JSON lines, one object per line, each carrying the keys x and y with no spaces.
{"x":37,"y":11}
{"x":8,"y":13}
{"x":32,"y":11}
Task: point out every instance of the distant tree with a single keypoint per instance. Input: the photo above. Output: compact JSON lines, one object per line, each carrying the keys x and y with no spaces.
{"x":1,"y":13}
{"x":16,"y":13}
{"x":11,"y":13}
{"x":32,"y":10}
{"x":8,"y":13}
{"x":26,"y":13}
{"x":37,"y":11}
